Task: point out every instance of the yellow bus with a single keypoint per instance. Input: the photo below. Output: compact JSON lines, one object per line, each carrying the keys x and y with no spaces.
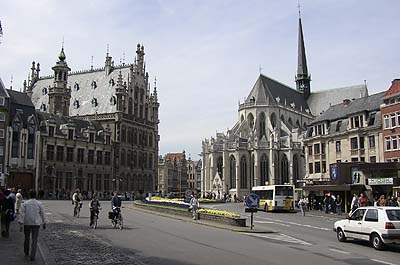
{"x":275,"y":197}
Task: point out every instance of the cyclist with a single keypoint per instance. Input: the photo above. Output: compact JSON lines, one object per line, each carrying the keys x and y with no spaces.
{"x":76,"y":200}
{"x":94,"y":207}
{"x":116,"y":205}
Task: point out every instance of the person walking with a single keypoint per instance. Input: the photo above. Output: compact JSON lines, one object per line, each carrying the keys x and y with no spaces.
{"x":363,"y":200}
{"x":8,"y":213}
{"x":355,"y":203}
{"x":339,"y":204}
{"x":194,"y":205}
{"x":18,"y":202}
{"x":32,"y":217}
{"x":302,"y":205}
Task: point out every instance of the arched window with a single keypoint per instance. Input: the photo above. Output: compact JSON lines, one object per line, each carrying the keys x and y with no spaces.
{"x":262,"y":126}
{"x":273,"y":120}
{"x":134,"y":159}
{"x":243,"y":173}
{"x":290,"y":123}
{"x":252,"y":162}
{"x":123,"y":134}
{"x":123,"y":157}
{"x":285,"y":170}
{"x":31,"y":138}
{"x":250,"y":120}
{"x":232,"y":171}
{"x":296,"y":169}
{"x":264,"y":170}
{"x":298,"y":124}
{"x":130,"y":106}
{"x":219,"y":166}
{"x":283,"y":118}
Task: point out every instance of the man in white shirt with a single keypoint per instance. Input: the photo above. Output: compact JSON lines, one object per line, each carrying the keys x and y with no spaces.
{"x":32,"y":216}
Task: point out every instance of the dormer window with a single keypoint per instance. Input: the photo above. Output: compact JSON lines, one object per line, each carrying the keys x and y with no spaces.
{"x":43,"y":107}
{"x":111,"y":82}
{"x":113,"y":100}
{"x":94,"y":102}
{"x":76,"y":104}
{"x":76,"y":86}
{"x":70,"y":134}
{"x":320,"y":129}
{"x":356,"y":122}
{"x":94,"y":84}
{"x":44,"y":91}
{"x":371,"y":120}
{"x":338,"y":125}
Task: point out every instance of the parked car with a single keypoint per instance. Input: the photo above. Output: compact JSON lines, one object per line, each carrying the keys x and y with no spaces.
{"x":378,"y":225}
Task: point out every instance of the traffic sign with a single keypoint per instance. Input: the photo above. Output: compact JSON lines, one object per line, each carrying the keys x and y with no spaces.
{"x":253,"y":201}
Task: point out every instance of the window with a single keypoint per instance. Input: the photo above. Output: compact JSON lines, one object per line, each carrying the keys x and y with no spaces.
{"x":317,"y":167}
{"x":387,"y":122}
{"x":98,"y":182}
{"x":372,"y":159}
{"x":323,"y":166}
{"x":243,"y":172}
{"x":122,"y":157}
{"x":108,"y":139}
{"x":1,"y":133}
{"x":371,"y":140}
{"x":316,"y":149}
{"x":70,"y":154}
{"x":81,"y":155}
{"x":398,"y":118}
{"x":338,"y":125}
{"x":60,"y":153}
{"x":99,"y":157}
{"x":354,"y":143}
{"x":362,"y":158}
{"x":2,"y":116}
{"x":106,"y":182}
{"x":311,"y":168}
{"x":51,"y":131}
{"x":68,"y":181}
{"x":358,"y":215}
{"x":356,"y":122}
{"x":393,"y":120}
{"x":50,"y":152}
{"x":338,"y":146}
{"x":15,"y":143}
{"x":361,"y":142}
{"x":70,"y":134}
{"x":354,"y":159}
{"x":91,"y":137}
{"x":107,"y":158}
{"x":388,"y":144}
{"x":394,"y":143}
{"x":89,"y":184}
{"x":371,"y":120}
{"x":323,"y":148}
{"x":1,"y":151}
{"x":90,"y":156}
{"x":2,"y":100}
{"x":309,"y":149}
{"x":372,"y":215}
{"x":31,"y":143}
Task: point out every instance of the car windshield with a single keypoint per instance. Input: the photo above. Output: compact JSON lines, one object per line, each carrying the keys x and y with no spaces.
{"x":393,"y":215}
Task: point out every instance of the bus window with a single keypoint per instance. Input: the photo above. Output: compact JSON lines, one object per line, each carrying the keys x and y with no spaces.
{"x":284,"y":191}
{"x":269,"y":194}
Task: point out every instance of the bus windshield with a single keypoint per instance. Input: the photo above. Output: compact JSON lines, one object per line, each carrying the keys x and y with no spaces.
{"x":284,"y":191}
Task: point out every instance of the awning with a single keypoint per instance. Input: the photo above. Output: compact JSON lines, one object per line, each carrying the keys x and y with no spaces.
{"x":327,"y":187}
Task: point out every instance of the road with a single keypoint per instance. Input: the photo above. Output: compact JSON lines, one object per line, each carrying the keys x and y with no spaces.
{"x":153,"y":239}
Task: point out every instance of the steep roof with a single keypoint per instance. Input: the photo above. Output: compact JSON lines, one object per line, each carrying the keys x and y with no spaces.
{"x":86,"y":92}
{"x":266,"y":86}
{"x":320,"y":101}
{"x":370,"y":103}
{"x":20,"y":104}
{"x":3,"y":90}
{"x":394,"y":89}
{"x":20,"y":98}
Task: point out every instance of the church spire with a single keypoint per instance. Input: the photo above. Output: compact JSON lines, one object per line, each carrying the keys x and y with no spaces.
{"x":302,"y":77}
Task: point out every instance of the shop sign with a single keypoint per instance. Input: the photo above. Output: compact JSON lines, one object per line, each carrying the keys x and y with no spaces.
{"x":333,"y":171}
{"x":380,"y":181}
{"x":357,"y":176}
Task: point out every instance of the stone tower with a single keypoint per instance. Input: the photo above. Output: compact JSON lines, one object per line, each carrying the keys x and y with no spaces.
{"x":59,"y":94}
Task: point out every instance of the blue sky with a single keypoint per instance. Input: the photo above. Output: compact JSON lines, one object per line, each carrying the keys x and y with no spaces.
{"x":206,"y":54}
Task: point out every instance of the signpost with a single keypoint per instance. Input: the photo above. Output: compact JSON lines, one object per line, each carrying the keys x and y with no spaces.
{"x":252,"y":202}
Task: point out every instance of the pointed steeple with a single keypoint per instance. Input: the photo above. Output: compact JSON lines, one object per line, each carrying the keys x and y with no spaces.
{"x":302,"y":77}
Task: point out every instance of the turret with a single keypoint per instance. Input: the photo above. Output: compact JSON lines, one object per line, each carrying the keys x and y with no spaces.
{"x":108,"y":63}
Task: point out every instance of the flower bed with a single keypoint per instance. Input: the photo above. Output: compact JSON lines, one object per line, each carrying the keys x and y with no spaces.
{"x":218,"y":212}
{"x":167,"y":202}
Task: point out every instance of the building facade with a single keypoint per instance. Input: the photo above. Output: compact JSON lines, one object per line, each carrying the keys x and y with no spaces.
{"x":4,"y":118}
{"x":391,"y":122}
{"x":113,"y":111}
{"x":173,"y":174}
{"x":194,"y":174}
{"x":265,"y":145}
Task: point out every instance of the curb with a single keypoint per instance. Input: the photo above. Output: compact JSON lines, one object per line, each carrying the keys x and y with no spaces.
{"x":46,"y":254}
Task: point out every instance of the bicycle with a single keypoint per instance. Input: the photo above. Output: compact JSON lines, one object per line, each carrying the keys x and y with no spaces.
{"x":95,"y":218}
{"x":117,"y":218}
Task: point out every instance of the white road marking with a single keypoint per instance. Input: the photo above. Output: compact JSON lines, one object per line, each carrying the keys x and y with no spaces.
{"x":293,"y":223}
{"x":269,"y":222}
{"x":339,"y":251}
{"x":280,"y":237}
{"x":49,"y":213}
{"x":383,"y":262}
{"x":59,"y":221}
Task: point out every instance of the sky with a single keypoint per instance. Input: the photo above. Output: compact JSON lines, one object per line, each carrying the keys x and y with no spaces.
{"x":206,"y":54}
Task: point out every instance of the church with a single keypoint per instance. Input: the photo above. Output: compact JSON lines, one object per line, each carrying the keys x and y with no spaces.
{"x":265,"y":147}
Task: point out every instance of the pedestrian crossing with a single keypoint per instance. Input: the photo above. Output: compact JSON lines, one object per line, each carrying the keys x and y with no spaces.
{"x":280,"y":237}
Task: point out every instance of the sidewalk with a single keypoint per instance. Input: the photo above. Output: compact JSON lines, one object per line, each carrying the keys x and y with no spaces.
{"x":12,"y":248}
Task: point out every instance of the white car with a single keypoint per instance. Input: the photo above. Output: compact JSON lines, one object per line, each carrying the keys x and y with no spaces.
{"x":379,"y":225}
